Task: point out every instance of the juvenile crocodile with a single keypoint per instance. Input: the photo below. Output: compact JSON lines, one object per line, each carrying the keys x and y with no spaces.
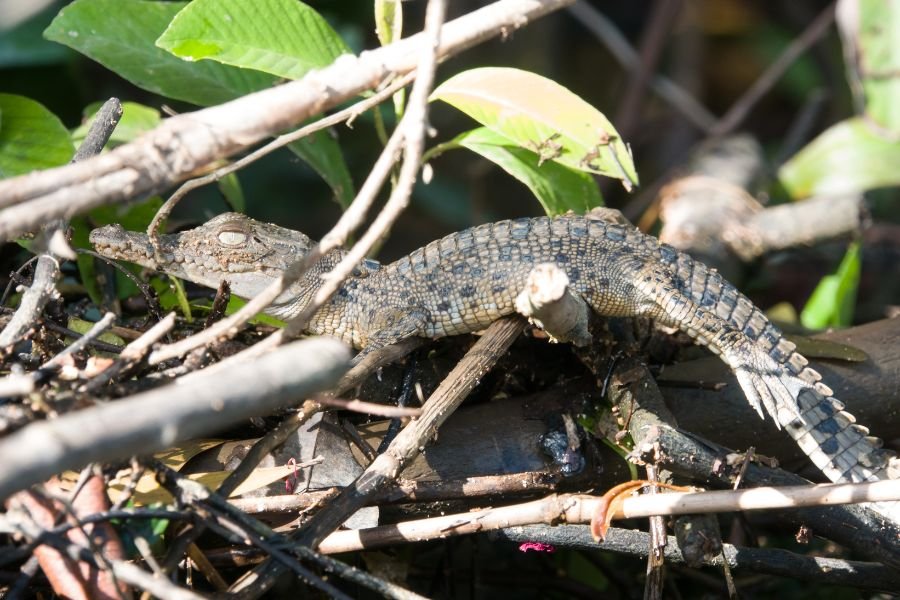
{"x":467,"y":280}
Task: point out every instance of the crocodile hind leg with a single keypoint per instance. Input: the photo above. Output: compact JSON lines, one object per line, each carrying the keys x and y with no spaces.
{"x":391,"y":325}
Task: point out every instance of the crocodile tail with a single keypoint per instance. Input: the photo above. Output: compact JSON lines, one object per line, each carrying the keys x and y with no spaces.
{"x":842,"y":449}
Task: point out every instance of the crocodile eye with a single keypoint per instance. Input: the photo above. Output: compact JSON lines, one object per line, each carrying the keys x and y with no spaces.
{"x":232,"y":238}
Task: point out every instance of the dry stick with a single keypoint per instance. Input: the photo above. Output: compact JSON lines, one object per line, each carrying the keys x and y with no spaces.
{"x":93,"y":333}
{"x":663,"y":13}
{"x":348,"y":114}
{"x":123,"y":571}
{"x":289,"y":425}
{"x":855,"y":527}
{"x":104,"y":123}
{"x":187,"y":142}
{"x":192,"y":493}
{"x":46,"y":272}
{"x":133,"y":353}
{"x":43,"y":287}
{"x":446,"y":398}
{"x":739,"y":110}
{"x":406,"y":491}
{"x":771,"y":561}
{"x":665,"y":88}
{"x":635,"y":393}
{"x":571,"y":509}
{"x":369,"y":408}
{"x":156,"y":419}
{"x":408,"y":443}
{"x":797,"y":224}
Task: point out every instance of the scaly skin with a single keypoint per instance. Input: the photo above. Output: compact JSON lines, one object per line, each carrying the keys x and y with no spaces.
{"x":467,"y":280}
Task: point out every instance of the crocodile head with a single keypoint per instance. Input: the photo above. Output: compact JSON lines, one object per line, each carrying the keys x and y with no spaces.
{"x":231,"y":247}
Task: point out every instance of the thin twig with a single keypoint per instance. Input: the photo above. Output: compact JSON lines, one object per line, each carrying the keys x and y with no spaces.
{"x":93,"y":333}
{"x":132,"y":354}
{"x":346,"y":115}
{"x":154,"y":420}
{"x":580,"y":509}
{"x":740,"y":109}
{"x":605,"y":31}
{"x":370,"y":408}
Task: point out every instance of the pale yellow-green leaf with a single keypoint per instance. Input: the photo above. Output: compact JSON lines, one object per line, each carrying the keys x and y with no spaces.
{"x":543,"y":116}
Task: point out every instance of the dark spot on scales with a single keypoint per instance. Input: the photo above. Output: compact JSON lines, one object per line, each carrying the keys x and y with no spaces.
{"x":442,"y":306}
{"x":829,"y":426}
{"x":562,"y":258}
{"x":467,"y":291}
{"x":458,"y":268}
{"x":830,"y":446}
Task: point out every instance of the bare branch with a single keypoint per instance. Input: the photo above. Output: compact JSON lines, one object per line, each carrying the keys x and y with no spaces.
{"x":154,"y":420}
{"x":184,"y":143}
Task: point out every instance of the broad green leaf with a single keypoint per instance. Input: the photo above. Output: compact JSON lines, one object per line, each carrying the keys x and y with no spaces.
{"x":832,"y":302}
{"x":121,"y":35}
{"x":136,"y":120}
{"x":542,"y":116}
{"x":285,"y":38}
{"x":31,"y":137}
{"x":871,"y":28}
{"x":847,"y":157}
{"x":557,"y":187}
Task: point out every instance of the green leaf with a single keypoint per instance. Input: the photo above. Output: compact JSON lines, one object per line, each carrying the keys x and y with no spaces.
{"x":121,"y":35}
{"x":31,"y":137}
{"x":177,"y":287}
{"x":322,"y":152}
{"x":136,"y":120}
{"x":285,"y":38}
{"x":389,"y":28}
{"x":230,"y":186}
{"x":557,"y":187}
{"x":541,"y":115}
{"x":388,"y":21}
{"x":831,"y":303}
{"x":877,"y":49}
{"x":235,"y":304}
{"x":847,"y":157}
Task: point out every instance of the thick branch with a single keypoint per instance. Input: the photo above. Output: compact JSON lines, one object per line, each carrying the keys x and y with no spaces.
{"x":196,"y":405}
